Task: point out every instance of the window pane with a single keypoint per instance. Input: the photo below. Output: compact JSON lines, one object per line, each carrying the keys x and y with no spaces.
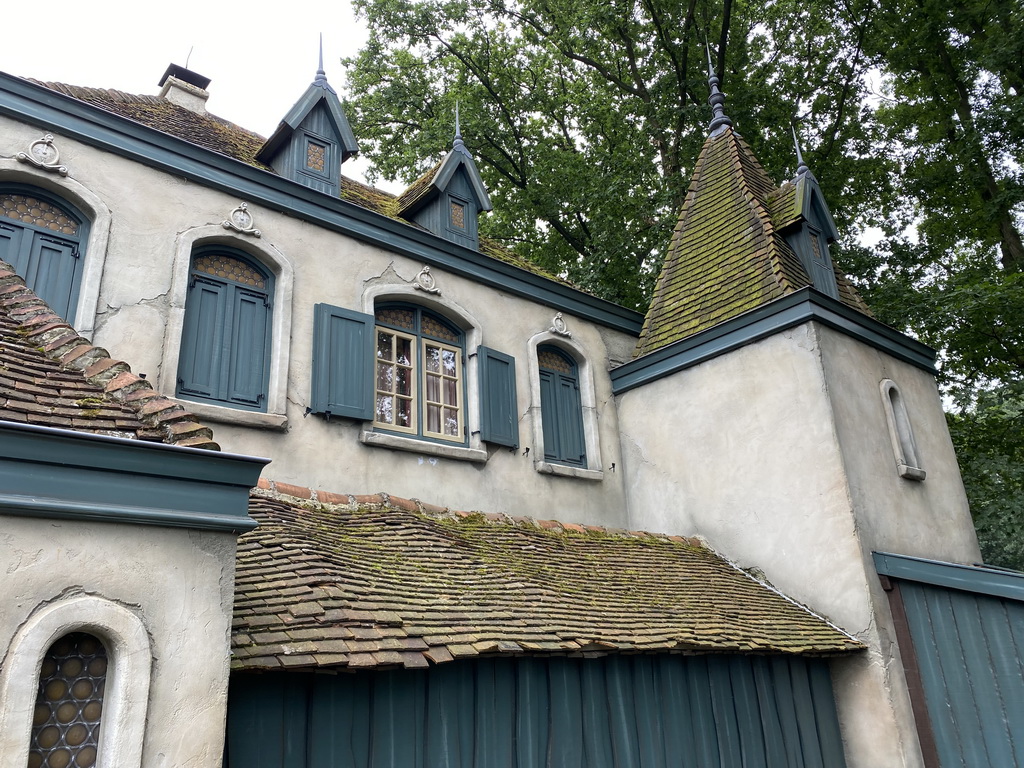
{"x":433,"y":388}
{"x":451,"y":421}
{"x":451,"y":392}
{"x":448,"y":361}
{"x":404,"y":412}
{"x":385,"y":409}
{"x":434,"y":418}
{"x":385,"y":377}
{"x":66,"y":722}
{"x":404,"y":384}
{"x":404,"y":347}
{"x":433,"y":359}
{"x":384,"y":347}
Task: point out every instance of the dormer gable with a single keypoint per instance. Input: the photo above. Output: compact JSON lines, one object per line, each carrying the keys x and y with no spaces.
{"x":803,"y":218}
{"x":313,"y":139}
{"x":447,"y":199}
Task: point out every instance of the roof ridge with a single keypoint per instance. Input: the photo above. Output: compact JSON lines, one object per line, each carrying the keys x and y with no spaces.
{"x":275,"y":489}
{"x":58,"y":341}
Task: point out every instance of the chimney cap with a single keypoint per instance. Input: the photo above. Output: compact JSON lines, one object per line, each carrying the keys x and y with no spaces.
{"x":186,"y":75}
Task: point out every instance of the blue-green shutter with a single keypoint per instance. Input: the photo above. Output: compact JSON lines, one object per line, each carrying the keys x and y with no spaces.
{"x":570,"y":422}
{"x":343,"y":363}
{"x":10,"y":245}
{"x":499,"y":422}
{"x":247,"y":373}
{"x":549,"y":415}
{"x":47,"y":264}
{"x":204,"y":339}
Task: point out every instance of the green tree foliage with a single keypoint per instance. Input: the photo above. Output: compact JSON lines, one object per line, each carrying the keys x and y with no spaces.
{"x":585,"y":117}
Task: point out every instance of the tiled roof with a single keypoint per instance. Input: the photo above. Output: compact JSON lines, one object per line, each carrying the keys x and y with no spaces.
{"x":219,"y":135}
{"x":376,"y":581}
{"x":727,"y":255}
{"x":418,"y":189}
{"x":50,"y":376}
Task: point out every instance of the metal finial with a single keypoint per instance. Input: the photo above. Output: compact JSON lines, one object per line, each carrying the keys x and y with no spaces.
{"x":321,"y":77}
{"x":458,"y":143}
{"x":716,"y":100}
{"x":801,"y":166}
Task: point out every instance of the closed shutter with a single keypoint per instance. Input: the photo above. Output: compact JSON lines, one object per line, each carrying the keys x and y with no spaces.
{"x":499,"y":422}
{"x":570,"y":414}
{"x":205,"y":340}
{"x":247,"y":374}
{"x":549,"y":415}
{"x":342,"y":363}
{"x":47,"y":264}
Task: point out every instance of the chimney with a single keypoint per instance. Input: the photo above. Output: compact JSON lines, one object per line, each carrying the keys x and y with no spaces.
{"x":185,"y":88}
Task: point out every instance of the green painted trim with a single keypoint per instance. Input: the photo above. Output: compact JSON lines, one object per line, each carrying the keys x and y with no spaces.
{"x":796,"y":308}
{"x":996,"y":582}
{"x":55,"y":112}
{"x":74,"y":475}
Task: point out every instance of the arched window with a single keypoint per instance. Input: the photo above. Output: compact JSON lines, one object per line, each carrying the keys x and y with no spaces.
{"x":66,"y":720}
{"x":42,"y":238}
{"x":908,"y":463}
{"x":561,"y":408}
{"x":225,"y":340}
{"x":418,"y":381}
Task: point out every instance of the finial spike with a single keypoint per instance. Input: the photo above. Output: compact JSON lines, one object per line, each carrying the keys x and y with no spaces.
{"x":801,"y":166}
{"x":321,"y":77}
{"x":458,"y":143}
{"x":719,"y":121}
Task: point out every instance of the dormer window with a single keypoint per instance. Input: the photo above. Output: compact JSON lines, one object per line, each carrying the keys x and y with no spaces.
{"x":316,"y":156}
{"x":458,"y":211}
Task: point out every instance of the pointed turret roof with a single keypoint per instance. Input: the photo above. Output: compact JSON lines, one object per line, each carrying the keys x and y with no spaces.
{"x":728,"y":254}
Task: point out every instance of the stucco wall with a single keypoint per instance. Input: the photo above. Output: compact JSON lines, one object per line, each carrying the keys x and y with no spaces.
{"x":154,"y":217}
{"x":779,"y":455}
{"x":175,"y":585}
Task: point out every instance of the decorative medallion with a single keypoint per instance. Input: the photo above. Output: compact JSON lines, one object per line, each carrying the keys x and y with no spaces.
{"x":241,"y":220}
{"x":43,"y":154}
{"x":425,"y":282}
{"x":558,"y":326}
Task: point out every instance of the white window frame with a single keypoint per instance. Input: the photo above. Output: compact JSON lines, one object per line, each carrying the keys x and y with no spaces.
{"x":126,"y":692}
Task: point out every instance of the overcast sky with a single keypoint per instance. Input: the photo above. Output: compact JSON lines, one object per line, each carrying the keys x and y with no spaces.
{"x":259,"y":57}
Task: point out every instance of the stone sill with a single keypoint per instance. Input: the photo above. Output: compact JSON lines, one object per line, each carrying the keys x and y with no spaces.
{"x":563,"y":470}
{"x":911,"y":473}
{"x":225,"y":415}
{"x":414,"y":445}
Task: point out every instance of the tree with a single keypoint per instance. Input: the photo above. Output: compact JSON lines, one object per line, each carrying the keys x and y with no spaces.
{"x":585,"y":117}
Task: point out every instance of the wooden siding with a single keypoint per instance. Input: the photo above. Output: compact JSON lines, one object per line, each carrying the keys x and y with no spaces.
{"x":622,"y":711}
{"x":968,"y":648}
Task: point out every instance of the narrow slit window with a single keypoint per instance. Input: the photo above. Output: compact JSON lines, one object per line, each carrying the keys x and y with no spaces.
{"x":66,"y":720}
{"x":908,"y":462}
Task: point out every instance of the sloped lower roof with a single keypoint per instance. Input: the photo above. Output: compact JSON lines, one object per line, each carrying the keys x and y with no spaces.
{"x":50,"y":376}
{"x":727,"y":254}
{"x":350,"y":581}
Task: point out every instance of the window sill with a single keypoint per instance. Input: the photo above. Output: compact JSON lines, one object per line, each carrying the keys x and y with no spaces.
{"x":413,"y":445}
{"x":911,"y":473}
{"x":224,"y":415}
{"x":563,"y":470}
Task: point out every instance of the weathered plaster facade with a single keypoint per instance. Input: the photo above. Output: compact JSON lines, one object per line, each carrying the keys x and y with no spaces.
{"x":778,"y":453}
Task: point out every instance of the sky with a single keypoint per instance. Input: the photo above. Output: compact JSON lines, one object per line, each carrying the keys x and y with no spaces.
{"x":259,"y":62}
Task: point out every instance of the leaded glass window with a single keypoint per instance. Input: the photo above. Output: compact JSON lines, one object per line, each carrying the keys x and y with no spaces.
{"x":66,"y":721}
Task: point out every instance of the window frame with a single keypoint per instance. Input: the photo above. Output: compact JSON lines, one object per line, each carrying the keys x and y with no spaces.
{"x":234,"y":295}
{"x":559,"y":417}
{"x":78,"y":244}
{"x":283,"y":271}
{"x":593,"y":470}
{"x":420,"y":340}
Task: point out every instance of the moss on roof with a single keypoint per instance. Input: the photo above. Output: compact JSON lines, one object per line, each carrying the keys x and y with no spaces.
{"x":365,"y":584}
{"x":727,"y":255}
{"x":227,"y":138}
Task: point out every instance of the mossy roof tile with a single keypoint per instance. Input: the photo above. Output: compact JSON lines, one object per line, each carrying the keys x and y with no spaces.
{"x":227,"y":138}
{"x":41,"y":384}
{"x":727,"y":255}
{"x":426,"y":585}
